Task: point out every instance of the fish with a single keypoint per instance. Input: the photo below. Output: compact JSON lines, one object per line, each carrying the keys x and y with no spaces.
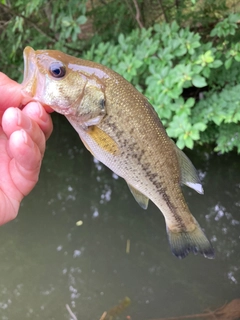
{"x":121,"y":129}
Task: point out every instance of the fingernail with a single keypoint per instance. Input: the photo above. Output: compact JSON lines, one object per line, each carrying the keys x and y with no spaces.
{"x":27,"y":140}
{"x":41,"y":112}
{"x":22,"y":120}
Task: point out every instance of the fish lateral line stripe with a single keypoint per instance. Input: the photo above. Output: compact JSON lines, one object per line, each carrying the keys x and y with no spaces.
{"x":162,"y":192}
{"x":173,"y":210}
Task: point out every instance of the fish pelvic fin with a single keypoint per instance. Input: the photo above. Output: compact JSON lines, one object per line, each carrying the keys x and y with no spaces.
{"x":183,"y":242}
{"x":141,"y":199}
{"x":189,"y":175}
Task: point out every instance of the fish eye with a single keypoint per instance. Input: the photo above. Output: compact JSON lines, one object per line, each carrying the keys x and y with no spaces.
{"x":57,"y":69}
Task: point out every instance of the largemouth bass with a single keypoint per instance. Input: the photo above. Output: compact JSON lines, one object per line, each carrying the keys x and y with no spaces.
{"x":120,"y":128}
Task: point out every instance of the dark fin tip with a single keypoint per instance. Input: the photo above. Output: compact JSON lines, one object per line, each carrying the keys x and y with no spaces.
{"x":182,"y":243}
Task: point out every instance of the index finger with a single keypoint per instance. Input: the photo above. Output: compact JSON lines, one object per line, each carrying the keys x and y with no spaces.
{"x":10,"y":93}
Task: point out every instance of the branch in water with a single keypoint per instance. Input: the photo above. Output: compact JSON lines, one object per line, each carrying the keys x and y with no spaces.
{"x":71,"y":313}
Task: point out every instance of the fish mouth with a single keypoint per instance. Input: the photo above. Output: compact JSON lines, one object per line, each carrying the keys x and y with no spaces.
{"x":29,"y":84}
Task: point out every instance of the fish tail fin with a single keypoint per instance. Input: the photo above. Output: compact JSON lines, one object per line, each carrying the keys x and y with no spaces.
{"x":183,"y":242}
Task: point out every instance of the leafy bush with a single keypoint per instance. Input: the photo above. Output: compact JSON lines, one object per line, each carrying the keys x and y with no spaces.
{"x":190,"y":77}
{"x":40,"y":24}
{"x":57,"y":24}
{"x":192,"y":85}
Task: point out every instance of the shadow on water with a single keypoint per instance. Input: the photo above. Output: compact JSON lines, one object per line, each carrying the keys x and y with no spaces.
{"x":47,"y":261}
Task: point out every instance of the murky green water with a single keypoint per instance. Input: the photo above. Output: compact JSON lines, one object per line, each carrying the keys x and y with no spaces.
{"x":47,"y":261}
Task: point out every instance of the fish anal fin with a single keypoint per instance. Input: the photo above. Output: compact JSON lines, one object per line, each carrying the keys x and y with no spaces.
{"x":141,"y":199}
{"x":195,"y":241}
{"x":103,"y":140}
{"x":189,"y":175}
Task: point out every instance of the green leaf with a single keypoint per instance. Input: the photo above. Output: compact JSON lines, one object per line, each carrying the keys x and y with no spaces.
{"x":180,"y":143}
{"x":200,"y":126}
{"x":206,"y":72}
{"x":66,"y":22}
{"x":190,"y":102}
{"x":228,"y":63}
{"x":199,"y":81}
{"x":81,"y":19}
{"x":216,"y":64}
{"x":237,"y":57}
{"x":195,"y":134}
{"x":189,"y":142}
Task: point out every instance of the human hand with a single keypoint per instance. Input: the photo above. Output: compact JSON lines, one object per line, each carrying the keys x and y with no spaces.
{"x":23,"y":135}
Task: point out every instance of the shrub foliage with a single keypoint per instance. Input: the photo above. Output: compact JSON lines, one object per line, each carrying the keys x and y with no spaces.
{"x":186,"y":60}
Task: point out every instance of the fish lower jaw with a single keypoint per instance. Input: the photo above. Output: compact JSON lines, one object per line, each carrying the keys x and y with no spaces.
{"x":27,"y":97}
{"x":67,"y":112}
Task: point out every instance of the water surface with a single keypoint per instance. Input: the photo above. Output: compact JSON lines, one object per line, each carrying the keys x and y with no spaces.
{"x":47,"y":261}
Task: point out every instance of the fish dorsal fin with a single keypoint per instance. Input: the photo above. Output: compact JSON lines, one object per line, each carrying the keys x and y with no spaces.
{"x":141,"y":199}
{"x":189,"y":175}
{"x":103,"y":140}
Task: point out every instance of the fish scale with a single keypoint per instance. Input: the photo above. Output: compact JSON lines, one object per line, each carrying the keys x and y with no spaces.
{"x":121,"y":129}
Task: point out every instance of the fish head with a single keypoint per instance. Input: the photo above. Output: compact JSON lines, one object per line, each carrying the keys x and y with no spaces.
{"x":51,"y":78}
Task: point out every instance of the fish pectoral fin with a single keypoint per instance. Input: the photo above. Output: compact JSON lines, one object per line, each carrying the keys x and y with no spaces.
{"x":92,"y":122}
{"x":103,"y":140}
{"x":189,"y":175}
{"x":141,"y":199}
